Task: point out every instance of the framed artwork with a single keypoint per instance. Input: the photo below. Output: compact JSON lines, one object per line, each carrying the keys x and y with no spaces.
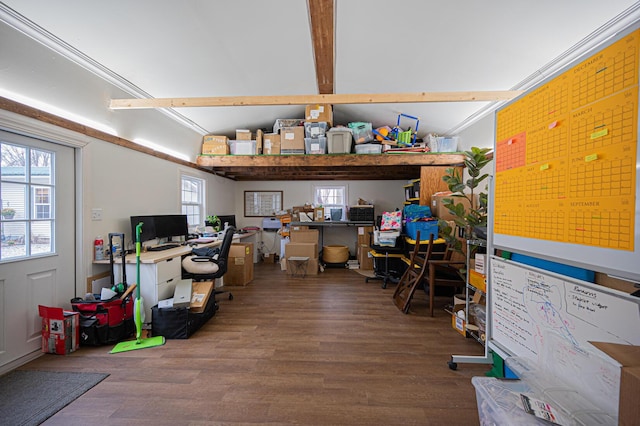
{"x":262,"y":203}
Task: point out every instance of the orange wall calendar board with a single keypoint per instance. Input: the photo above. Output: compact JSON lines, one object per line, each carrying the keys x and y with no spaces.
{"x":566,"y":157}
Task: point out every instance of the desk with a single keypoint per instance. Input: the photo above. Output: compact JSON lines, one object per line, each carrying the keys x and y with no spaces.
{"x":160,"y":271}
{"x":332,"y":223}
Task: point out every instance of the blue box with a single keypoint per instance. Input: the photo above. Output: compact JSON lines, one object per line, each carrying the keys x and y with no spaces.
{"x":559,"y":268}
{"x":426,"y":228}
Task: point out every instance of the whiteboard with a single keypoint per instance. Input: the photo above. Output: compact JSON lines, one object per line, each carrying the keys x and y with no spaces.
{"x":566,"y":186}
{"x":527,"y":302}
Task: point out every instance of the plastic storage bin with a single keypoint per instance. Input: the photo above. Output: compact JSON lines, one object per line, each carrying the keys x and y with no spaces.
{"x":361,"y":213}
{"x":362,"y":132}
{"x":445,"y":144}
{"x":369,"y":148}
{"x":314,"y":129}
{"x":242,"y":147}
{"x":426,"y":228}
{"x":339,"y":141}
{"x":315,"y":145}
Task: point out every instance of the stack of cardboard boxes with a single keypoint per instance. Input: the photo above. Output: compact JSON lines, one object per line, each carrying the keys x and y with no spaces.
{"x":304,"y":243}
{"x":288,"y":136}
{"x":364,"y":240}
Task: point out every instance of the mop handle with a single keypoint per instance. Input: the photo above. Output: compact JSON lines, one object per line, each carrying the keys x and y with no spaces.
{"x":138,"y":245}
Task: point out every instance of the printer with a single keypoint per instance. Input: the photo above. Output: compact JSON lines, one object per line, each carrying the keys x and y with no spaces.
{"x":271,"y":224}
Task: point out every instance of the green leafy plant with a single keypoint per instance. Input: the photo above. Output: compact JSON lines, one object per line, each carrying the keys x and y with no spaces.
{"x":8,"y":212}
{"x":213,"y":221}
{"x":468,"y":202}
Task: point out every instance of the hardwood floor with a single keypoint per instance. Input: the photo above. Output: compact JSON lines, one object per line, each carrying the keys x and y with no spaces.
{"x":324,"y":350}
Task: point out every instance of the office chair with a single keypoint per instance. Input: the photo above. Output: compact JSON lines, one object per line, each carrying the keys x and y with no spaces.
{"x":390,"y":273}
{"x":205,"y":268}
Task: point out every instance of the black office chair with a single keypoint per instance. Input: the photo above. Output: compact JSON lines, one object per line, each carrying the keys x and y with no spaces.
{"x":205,"y":268}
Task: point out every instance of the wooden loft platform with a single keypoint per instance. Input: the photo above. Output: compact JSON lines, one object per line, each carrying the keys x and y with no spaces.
{"x":326,"y":167}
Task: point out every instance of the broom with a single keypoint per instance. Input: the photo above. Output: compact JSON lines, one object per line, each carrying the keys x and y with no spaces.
{"x":138,"y":312}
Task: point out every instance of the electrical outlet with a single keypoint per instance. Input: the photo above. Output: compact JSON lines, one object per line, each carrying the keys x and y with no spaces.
{"x":96,"y":214}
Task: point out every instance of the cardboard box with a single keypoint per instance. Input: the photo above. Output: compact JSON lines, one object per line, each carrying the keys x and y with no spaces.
{"x":240,"y":265}
{"x":365,"y":261}
{"x":629,"y":357}
{"x":214,"y":139}
{"x":304,"y":236}
{"x":215,"y":144}
{"x":60,"y":330}
{"x":459,"y":324}
{"x":319,"y":112}
{"x":439,"y":211}
{"x":292,"y":138}
{"x":182,"y":294}
{"x":271,"y":144}
{"x":243,"y":134}
{"x":309,"y":250}
{"x":311,"y":269}
{"x":200,"y":293}
{"x":364,"y":235}
{"x":215,"y":148}
{"x":259,"y":138}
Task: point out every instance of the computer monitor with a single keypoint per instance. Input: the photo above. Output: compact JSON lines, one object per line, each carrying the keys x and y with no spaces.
{"x":230,"y":219}
{"x":148,"y":229}
{"x":169,"y":226}
{"x":160,"y":226}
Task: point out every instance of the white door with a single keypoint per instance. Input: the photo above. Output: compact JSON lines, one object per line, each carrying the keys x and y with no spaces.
{"x":37,"y":251}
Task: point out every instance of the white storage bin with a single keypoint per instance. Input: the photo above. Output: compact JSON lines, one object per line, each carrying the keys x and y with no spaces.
{"x":242,"y":147}
{"x":315,"y":145}
{"x":369,"y":148}
{"x":339,"y":141}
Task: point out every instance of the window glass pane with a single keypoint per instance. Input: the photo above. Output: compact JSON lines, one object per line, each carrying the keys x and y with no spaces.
{"x":13,"y":240}
{"x":14,"y":200}
{"x":192,"y":196}
{"x":14,"y":163}
{"x":41,"y":167}
{"x":26,"y":200}
{"x":41,"y":240}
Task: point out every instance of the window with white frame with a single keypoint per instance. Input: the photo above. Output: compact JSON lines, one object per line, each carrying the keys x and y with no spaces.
{"x":333,"y":198}
{"x":27,"y":194}
{"x":193,"y":199}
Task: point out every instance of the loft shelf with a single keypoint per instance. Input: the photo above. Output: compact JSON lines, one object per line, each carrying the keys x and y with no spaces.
{"x":326,"y":167}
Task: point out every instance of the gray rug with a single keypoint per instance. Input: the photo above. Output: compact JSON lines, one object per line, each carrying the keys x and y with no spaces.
{"x":29,"y":397}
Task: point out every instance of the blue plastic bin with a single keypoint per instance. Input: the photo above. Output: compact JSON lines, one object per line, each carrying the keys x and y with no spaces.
{"x":426,"y":228}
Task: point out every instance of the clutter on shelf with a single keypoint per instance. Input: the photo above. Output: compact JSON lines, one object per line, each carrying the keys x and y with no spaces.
{"x":315,"y":134}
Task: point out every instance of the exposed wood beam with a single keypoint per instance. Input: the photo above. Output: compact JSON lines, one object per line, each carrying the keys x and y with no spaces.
{"x":321,"y":15}
{"x":334,"y":99}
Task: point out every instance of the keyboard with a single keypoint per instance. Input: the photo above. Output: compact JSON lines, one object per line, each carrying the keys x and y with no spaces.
{"x":163,"y":247}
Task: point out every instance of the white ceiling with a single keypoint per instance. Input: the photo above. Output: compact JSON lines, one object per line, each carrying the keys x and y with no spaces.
{"x":248,"y":47}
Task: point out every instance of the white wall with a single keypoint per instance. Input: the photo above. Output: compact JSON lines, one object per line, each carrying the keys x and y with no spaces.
{"x":481,"y":134}
{"x":124,"y":183}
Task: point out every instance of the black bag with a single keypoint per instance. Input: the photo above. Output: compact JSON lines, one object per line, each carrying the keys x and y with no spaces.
{"x":180,"y":323}
{"x":104,"y":322}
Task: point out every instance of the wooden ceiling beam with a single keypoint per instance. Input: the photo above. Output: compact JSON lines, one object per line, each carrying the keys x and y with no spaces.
{"x":334,"y":99}
{"x":321,"y":15}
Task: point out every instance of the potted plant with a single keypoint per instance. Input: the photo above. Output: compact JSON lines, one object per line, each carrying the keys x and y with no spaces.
{"x":8,"y":213}
{"x":213,"y":221}
{"x":473,"y":211}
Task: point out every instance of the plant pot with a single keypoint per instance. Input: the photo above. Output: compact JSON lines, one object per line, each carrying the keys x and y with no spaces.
{"x":8,"y":215}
